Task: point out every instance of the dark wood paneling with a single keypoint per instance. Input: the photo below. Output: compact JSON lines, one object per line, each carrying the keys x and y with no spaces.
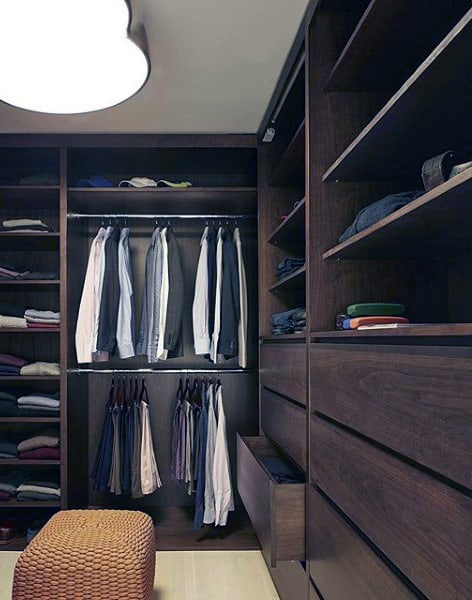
{"x":415,"y":400}
{"x":283,"y":370}
{"x":277,"y":511}
{"x":290,"y":579}
{"x":285,"y":423}
{"x":341,"y":564}
{"x":420,"y":524}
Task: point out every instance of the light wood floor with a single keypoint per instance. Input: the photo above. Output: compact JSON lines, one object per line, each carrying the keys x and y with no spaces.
{"x":222,"y":575}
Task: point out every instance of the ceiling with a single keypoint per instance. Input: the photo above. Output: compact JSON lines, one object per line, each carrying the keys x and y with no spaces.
{"x":214,"y":67}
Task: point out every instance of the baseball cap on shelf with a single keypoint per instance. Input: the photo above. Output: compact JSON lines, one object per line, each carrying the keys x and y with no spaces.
{"x":174,"y":184}
{"x":94,"y":181}
{"x":138,"y":182}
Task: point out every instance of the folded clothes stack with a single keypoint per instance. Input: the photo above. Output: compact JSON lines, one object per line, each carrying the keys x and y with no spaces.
{"x":9,"y":482}
{"x":42,"y":446}
{"x":8,"y":447}
{"x":48,"y":369}
{"x":290,"y":321}
{"x":371,"y":315}
{"x":15,"y":272}
{"x":10,"y":365}
{"x":42,"y":319}
{"x":42,"y":485}
{"x":288,"y":265}
{"x":37,"y":404}
{"x":23,"y":226}
{"x":12,"y":315}
{"x":8,"y":406}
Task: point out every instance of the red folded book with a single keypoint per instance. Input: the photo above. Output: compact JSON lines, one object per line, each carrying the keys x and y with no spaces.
{"x":358,"y":321}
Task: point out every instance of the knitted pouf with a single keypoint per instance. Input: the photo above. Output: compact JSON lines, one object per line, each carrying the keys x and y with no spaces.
{"x":89,"y":555}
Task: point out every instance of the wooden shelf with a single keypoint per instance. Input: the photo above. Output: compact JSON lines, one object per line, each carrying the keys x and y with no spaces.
{"x":291,"y":169}
{"x":284,"y":338}
{"x":418,"y":330}
{"x":29,"y":196}
{"x":29,"y":282}
{"x":29,"y":241}
{"x":28,"y":504}
{"x":422,"y":119}
{"x":28,"y":330}
{"x":29,"y":420}
{"x":193,"y":200}
{"x":18,"y":461}
{"x":19,"y":378}
{"x":293,"y":281}
{"x":291,"y":232}
{"x":437,"y":222}
{"x":374,"y":60}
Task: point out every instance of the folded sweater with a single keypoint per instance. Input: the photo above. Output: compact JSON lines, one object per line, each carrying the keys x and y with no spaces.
{"x":45,"y":438}
{"x":41,"y":368}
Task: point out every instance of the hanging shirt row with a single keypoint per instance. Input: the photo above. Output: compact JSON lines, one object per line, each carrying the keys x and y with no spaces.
{"x":106,"y":318}
{"x":220,"y":302}
{"x":200,"y":450}
{"x":125,"y":461}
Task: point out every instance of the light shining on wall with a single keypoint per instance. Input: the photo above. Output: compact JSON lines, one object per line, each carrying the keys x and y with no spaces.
{"x":68,"y":56}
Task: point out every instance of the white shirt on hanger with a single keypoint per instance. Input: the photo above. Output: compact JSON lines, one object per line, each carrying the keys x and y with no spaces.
{"x":200,"y":307}
{"x":85,"y":329}
{"x":222,"y":489}
{"x":242,"y":329}
{"x":125,"y":322}
{"x":99,"y":276}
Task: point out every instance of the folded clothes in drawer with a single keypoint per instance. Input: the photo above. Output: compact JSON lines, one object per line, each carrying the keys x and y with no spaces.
{"x":281,"y":470}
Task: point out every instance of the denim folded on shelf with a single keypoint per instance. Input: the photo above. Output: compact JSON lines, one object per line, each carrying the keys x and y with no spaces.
{"x":288,"y":317}
{"x":378,"y":210}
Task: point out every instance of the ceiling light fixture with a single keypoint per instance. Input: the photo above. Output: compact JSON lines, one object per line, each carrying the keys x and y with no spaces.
{"x":70,"y":56}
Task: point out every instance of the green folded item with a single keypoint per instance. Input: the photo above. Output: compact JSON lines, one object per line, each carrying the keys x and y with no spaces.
{"x":375,"y":309}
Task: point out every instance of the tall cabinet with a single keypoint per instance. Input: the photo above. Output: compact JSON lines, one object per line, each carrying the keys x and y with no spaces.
{"x":379,"y":422}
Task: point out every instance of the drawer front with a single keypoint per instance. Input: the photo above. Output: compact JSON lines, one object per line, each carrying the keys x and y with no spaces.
{"x":419,"y":523}
{"x":290,"y":580}
{"x":283,"y":370}
{"x":414,"y":400}
{"x":341,"y":563}
{"x":285,"y":423}
{"x":277,"y":511}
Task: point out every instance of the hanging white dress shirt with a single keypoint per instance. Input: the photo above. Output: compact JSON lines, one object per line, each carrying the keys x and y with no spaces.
{"x":201,"y":336}
{"x":85,"y":329}
{"x":98,"y":286}
{"x":242,"y":329}
{"x":222,"y":489}
{"x":125,"y":322}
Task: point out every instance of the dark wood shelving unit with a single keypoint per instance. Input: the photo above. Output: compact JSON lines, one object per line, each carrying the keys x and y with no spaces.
{"x":240,"y":200}
{"x":38,"y":463}
{"x":28,"y":504}
{"x":30,"y":420}
{"x":29,"y":241}
{"x":290,"y":170}
{"x":29,"y":282}
{"x":438,"y":221}
{"x":373,"y":60}
{"x":29,"y":196}
{"x":284,"y":338}
{"x":420,"y":330}
{"x":293,"y":281}
{"x":29,"y":330}
{"x":415,"y":107}
{"x":291,"y":233}
{"x":19,"y":378}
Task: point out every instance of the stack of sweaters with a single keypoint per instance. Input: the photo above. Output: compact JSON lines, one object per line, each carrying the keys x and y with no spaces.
{"x":16,"y":272}
{"x":20,"y":317}
{"x":372,"y":315}
{"x":42,"y":485}
{"x":24,"y":226}
{"x":43,"y":445}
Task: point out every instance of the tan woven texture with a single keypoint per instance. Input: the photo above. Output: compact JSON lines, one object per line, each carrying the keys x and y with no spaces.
{"x":89,"y":555}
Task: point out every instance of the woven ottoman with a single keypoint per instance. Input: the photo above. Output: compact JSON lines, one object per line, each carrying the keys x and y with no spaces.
{"x":89,"y":555}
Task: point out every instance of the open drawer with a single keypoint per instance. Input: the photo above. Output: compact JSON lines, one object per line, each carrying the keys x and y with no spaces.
{"x":276,"y":510}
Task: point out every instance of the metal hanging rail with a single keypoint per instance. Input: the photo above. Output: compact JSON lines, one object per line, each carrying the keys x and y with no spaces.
{"x":165,"y":371}
{"x":155,"y":216}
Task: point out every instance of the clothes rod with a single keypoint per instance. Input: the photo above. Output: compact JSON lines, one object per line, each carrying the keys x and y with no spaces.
{"x":155,"y":216}
{"x":165,"y":371}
